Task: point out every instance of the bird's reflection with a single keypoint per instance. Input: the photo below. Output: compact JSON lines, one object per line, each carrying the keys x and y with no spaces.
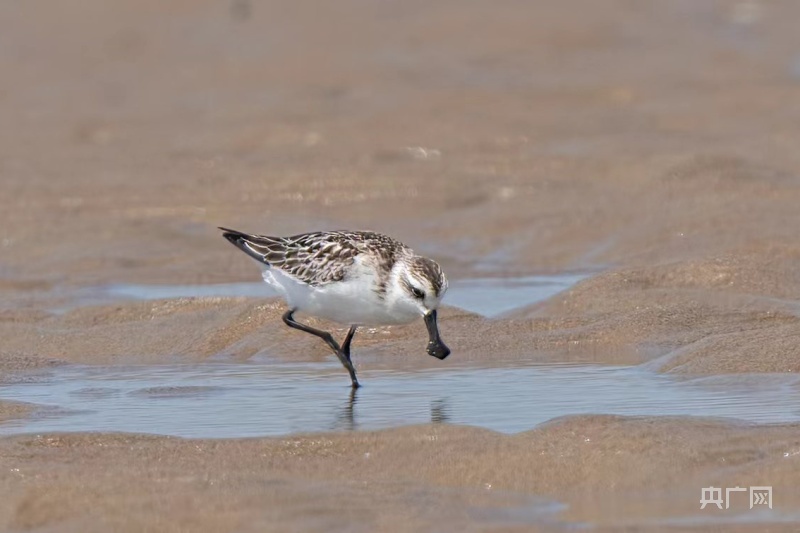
{"x":345,"y":415}
{"x":345,"y":418}
{"x":440,"y":413}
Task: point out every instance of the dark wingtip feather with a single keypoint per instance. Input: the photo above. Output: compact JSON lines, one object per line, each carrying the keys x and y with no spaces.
{"x":240,"y":240}
{"x":231,"y":233}
{"x":233,"y":236}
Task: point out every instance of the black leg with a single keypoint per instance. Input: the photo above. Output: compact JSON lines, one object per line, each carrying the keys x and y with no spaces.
{"x":289,"y":320}
{"x":346,"y":353}
{"x":347,"y":339}
{"x":344,"y":358}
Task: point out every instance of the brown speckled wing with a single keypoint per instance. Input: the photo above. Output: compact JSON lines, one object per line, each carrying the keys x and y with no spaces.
{"x":321,"y":257}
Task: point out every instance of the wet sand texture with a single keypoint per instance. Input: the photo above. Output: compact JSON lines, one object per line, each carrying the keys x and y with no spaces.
{"x":610,"y":471}
{"x":650,"y":143}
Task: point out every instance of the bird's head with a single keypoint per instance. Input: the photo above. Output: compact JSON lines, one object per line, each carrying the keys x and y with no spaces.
{"x":422,"y":286}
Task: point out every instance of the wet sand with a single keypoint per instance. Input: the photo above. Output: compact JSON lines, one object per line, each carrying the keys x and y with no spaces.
{"x":609,"y":471}
{"x":651,"y":145}
{"x":13,"y":410}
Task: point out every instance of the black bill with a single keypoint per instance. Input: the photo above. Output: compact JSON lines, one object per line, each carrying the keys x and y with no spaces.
{"x":436,"y":347}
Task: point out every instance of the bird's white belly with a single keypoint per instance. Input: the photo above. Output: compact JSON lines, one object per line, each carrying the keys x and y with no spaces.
{"x":346,"y":302}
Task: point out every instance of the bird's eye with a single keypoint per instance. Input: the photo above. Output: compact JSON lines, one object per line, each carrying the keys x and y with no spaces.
{"x":417,"y":293}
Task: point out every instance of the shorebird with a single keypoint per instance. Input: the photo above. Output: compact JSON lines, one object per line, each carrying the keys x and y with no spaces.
{"x":355,"y":278}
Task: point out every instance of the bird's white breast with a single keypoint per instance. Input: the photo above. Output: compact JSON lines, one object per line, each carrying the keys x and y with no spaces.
{"x":350,"y":301}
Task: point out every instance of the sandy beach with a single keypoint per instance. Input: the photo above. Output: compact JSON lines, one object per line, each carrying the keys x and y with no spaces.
{"x":648,"y":146}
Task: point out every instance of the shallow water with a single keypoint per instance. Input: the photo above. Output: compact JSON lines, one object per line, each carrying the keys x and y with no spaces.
{"x":259,"y":399}
{"x":489,"y":297}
